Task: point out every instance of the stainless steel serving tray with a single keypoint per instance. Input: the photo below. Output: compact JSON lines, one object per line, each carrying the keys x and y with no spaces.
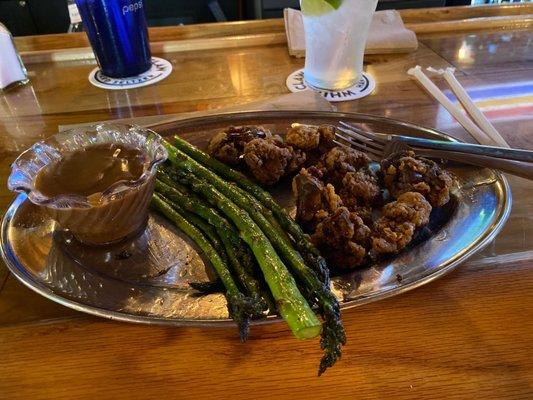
{"x":146,"y":280}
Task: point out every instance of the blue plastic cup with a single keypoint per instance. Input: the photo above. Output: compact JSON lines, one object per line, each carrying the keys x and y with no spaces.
{"x":118,"y":34}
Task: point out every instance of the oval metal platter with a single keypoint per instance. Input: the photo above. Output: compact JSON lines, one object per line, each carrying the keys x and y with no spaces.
{"x":146,"y":279}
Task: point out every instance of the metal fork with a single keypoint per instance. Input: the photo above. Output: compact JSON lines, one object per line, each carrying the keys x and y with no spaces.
{"x":379,"y":145}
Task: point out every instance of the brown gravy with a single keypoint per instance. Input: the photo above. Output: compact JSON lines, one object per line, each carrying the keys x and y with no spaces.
{"x":91,"y":170}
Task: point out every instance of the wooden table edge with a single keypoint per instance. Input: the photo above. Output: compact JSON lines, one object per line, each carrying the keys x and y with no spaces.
{"x":74,"y":46}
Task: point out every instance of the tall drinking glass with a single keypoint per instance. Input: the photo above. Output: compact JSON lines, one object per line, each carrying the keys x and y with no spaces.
{"x":118,"y":34}
{"x":335,"y":38}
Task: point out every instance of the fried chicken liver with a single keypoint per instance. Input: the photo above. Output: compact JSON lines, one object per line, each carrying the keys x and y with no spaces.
{"x":314,"y":199}
{"x":228,"y":145}
{"x":310,"y":137}
{"x":395,"y":228}
{"x":343,"y":238}
{"x":359,"y":189}
{"x":405,"y":172}
{"x":269,"y":159}
{"x":340,"y":160}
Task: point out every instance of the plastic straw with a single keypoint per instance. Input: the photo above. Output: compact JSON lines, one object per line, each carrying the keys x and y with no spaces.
{"x":454,"y":110}
{"x":470,"y":107}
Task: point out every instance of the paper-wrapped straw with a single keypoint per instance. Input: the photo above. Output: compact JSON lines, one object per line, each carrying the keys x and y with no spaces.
{"x":454,"y":110}
{"x":468,"y":104}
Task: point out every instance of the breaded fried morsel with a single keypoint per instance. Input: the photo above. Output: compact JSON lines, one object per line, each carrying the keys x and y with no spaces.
{"x":310,"y":137}
{"x":228,"y":145}
{"x":340,"y":160}
{"x":343,"y":238}
{"x":405,"y":172}
{"x":270,"y":159}
{"x":390,"y":236}
{"x":359,"y":189}
{"x":411,"y":207}
{"x":314,"y":200}
{"x":395,"y":228}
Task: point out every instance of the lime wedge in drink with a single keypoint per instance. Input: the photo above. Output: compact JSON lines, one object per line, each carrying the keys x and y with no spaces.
{"x":319,"y":7}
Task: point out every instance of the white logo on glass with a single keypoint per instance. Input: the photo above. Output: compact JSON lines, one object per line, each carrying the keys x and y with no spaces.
{"x":132,"y":7}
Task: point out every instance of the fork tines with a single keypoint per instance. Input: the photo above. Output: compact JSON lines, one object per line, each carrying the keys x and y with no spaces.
{"x":371,"y":144}
{"x":352,"y":129}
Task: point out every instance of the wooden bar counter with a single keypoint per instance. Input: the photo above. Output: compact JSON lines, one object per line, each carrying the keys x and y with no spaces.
{"x":468,"y":335}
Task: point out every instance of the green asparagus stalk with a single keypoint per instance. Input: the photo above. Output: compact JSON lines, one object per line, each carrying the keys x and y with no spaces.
{"x":168,"y":176}
{"x":234,"y":247}
{"x":274,"y":234}
{"x":240,"y":307}
{"x":211,"y":234}
{"x":291,"y":304}
{"x":302,"y":242}
{"x":195,"y":204}
{"x":205,"y":228}
{"x":333,"y":334}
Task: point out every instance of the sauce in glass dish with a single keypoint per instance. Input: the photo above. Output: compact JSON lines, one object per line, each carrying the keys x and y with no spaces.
{"x":95,"y":181}
{"x":91,"y":170}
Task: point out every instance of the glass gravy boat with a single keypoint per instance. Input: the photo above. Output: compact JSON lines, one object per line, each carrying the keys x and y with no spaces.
{"x":121,"y":210}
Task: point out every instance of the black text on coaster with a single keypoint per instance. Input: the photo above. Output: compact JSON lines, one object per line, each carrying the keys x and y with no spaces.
{"x":296,"y":83}
{"x":159,"y":70}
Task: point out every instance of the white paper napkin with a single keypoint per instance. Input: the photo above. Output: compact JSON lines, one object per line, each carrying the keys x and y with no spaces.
{"x":387,"y":34}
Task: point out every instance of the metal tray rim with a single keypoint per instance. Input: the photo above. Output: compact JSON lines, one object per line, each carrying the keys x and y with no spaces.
{"x":480,"y":243}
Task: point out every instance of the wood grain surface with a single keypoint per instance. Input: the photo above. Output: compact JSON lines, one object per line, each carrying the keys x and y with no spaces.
{"x":468,"y":335}
{"x":53,"y":48}
{"x":268,"y":26}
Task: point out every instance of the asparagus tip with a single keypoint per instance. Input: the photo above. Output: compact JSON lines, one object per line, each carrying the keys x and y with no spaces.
{"x":333,"y":338}
{"x":243,"y":308}
{"x":207,"y":287}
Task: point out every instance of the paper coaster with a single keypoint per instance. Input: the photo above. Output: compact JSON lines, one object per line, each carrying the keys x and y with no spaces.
{"x":160,"y":70}
{"x":296,"y":83}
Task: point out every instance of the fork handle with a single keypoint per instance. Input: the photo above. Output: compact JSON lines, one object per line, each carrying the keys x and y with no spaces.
{"x":518,"y":168}
{"x":492,"y":151}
